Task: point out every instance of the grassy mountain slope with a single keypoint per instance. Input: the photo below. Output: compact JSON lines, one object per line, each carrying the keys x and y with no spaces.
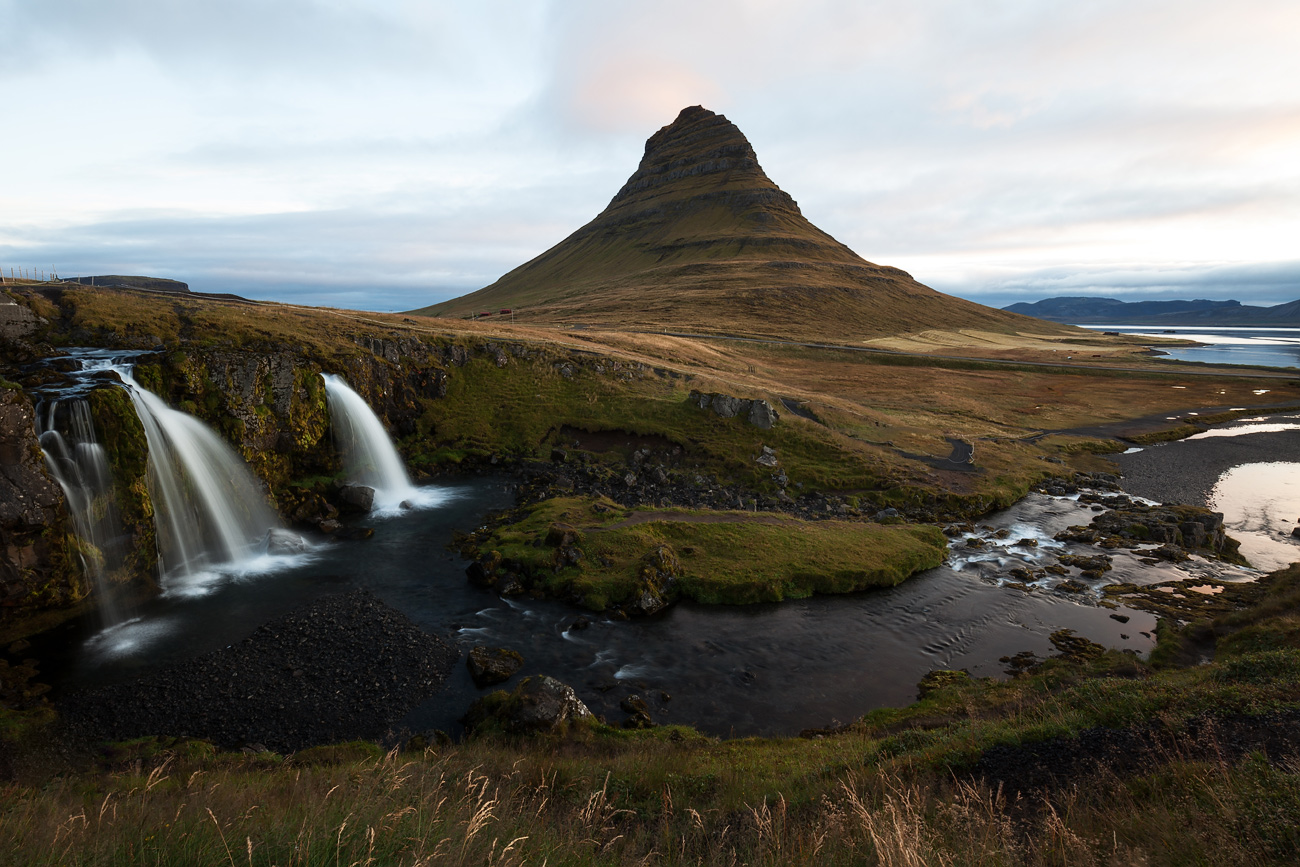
{"x":699,"y":239}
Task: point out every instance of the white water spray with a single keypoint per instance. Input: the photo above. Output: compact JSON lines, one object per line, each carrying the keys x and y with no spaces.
{"x":209,"y":510}
{"x":369,"y":457}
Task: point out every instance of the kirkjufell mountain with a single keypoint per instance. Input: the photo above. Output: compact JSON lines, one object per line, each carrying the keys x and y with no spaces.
{"x":699,"y":239}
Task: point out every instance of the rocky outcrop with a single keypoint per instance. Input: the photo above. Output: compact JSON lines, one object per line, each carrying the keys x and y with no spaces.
{"x":538,"y":705}
{"x":489,"y":665}
{"x":756,"y":411}
{"x":122,"y":436}
{"x":17,"y":323}
{"x":35,"y":559}
{"x":1128,"y":523}
{"x":656,"y":582}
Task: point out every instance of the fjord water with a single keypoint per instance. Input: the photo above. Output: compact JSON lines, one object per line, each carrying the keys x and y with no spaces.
{"x":1269,"y":347}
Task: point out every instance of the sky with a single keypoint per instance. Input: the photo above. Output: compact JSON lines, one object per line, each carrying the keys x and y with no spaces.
{"x":388,"y":154}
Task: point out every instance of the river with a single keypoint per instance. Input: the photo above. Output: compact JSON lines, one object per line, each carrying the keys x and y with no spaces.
{"x":770,"y":669}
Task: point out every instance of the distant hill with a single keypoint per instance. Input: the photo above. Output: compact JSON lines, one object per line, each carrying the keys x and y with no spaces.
{"x":699,"y":239}
{"x":155,"y":284}
{"x":1110,"y":311}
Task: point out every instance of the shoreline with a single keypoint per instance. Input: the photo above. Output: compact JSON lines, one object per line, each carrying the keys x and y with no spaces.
{"x":1185,"y":471}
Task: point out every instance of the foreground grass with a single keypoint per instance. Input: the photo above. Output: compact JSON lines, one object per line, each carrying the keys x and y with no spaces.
{"x":894,"y":788}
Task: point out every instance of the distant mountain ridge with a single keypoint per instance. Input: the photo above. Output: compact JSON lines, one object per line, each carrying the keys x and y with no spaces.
{"x":1084,"y":310}
{"x":700,"y":240}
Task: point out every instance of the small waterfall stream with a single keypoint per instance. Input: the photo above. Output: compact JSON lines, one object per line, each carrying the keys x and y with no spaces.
{"x":369,"y":457}
{"x":78,"y":463}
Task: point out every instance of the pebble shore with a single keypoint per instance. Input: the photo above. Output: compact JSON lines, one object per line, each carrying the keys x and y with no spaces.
{"x":344,"y":667}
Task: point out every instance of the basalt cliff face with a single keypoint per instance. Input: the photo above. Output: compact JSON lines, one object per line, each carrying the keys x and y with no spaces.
{"x":699,"y":239}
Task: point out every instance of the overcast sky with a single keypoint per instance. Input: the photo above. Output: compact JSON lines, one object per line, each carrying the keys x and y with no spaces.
{"x":386,"y":154}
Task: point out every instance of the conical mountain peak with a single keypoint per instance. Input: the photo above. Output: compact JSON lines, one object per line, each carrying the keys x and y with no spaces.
{"x":700,"y":239}
{"x":698,"y":142}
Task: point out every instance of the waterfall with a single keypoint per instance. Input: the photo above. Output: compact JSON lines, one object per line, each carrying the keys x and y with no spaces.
{"x":78,"y":463}
{"x":209,"y":510}
{"x":368,"y":454}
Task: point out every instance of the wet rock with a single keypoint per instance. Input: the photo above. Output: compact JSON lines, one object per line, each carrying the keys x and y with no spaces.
{"x":639,"y":720}
{"x":634,"y":704}
{"x":510,"y":585}
{"x":1170,"y":554}
{"x":580,"y":624}
{"x":308,"y":508}
{"x":1074,"y":647}
{"x":357,"y":498}
{"x":492,"y":665}
{"x":280,"y":542}
{"x":1097,"y":563}
{"x":481,"y":574}
{"x":1178,"y":525}
{"x":538,"y":704}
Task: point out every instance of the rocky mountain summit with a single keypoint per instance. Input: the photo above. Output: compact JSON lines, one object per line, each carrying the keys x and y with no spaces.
{"x":700,"y":240}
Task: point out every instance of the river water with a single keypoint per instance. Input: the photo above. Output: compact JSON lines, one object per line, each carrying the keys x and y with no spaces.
{"x":770,"y":669}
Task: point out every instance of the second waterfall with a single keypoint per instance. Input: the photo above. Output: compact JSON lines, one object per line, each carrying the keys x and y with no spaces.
{"x":369,"y":457}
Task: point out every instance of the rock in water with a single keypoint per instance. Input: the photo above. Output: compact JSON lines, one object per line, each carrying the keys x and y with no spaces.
{"x":537,"y":705}
{"x":493,"y":665}
{"x":360,"y":498}
{"x":284,"y":542}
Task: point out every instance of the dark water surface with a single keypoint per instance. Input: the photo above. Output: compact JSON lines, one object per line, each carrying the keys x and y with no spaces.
{"x":767,"y":669}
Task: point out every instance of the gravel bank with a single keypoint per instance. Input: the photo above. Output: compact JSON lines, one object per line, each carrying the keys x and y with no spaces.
{"x":1186,"y":471}
{"x":344,"y":667}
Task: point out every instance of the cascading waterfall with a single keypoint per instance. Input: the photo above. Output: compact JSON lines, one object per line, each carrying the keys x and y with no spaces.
{"x":78,"y":463}
{"x":209,"y":509}
{"x":369,"y":457}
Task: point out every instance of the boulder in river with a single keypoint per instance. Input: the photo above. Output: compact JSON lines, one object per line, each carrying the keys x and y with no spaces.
{"x":489,"y":665}
{"x":360,"y":498}
{"x":280,"y":541}
{"x":537,"y":705}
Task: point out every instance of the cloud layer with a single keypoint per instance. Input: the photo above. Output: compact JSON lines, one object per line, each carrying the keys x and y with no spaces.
{"x":385,"y":155}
